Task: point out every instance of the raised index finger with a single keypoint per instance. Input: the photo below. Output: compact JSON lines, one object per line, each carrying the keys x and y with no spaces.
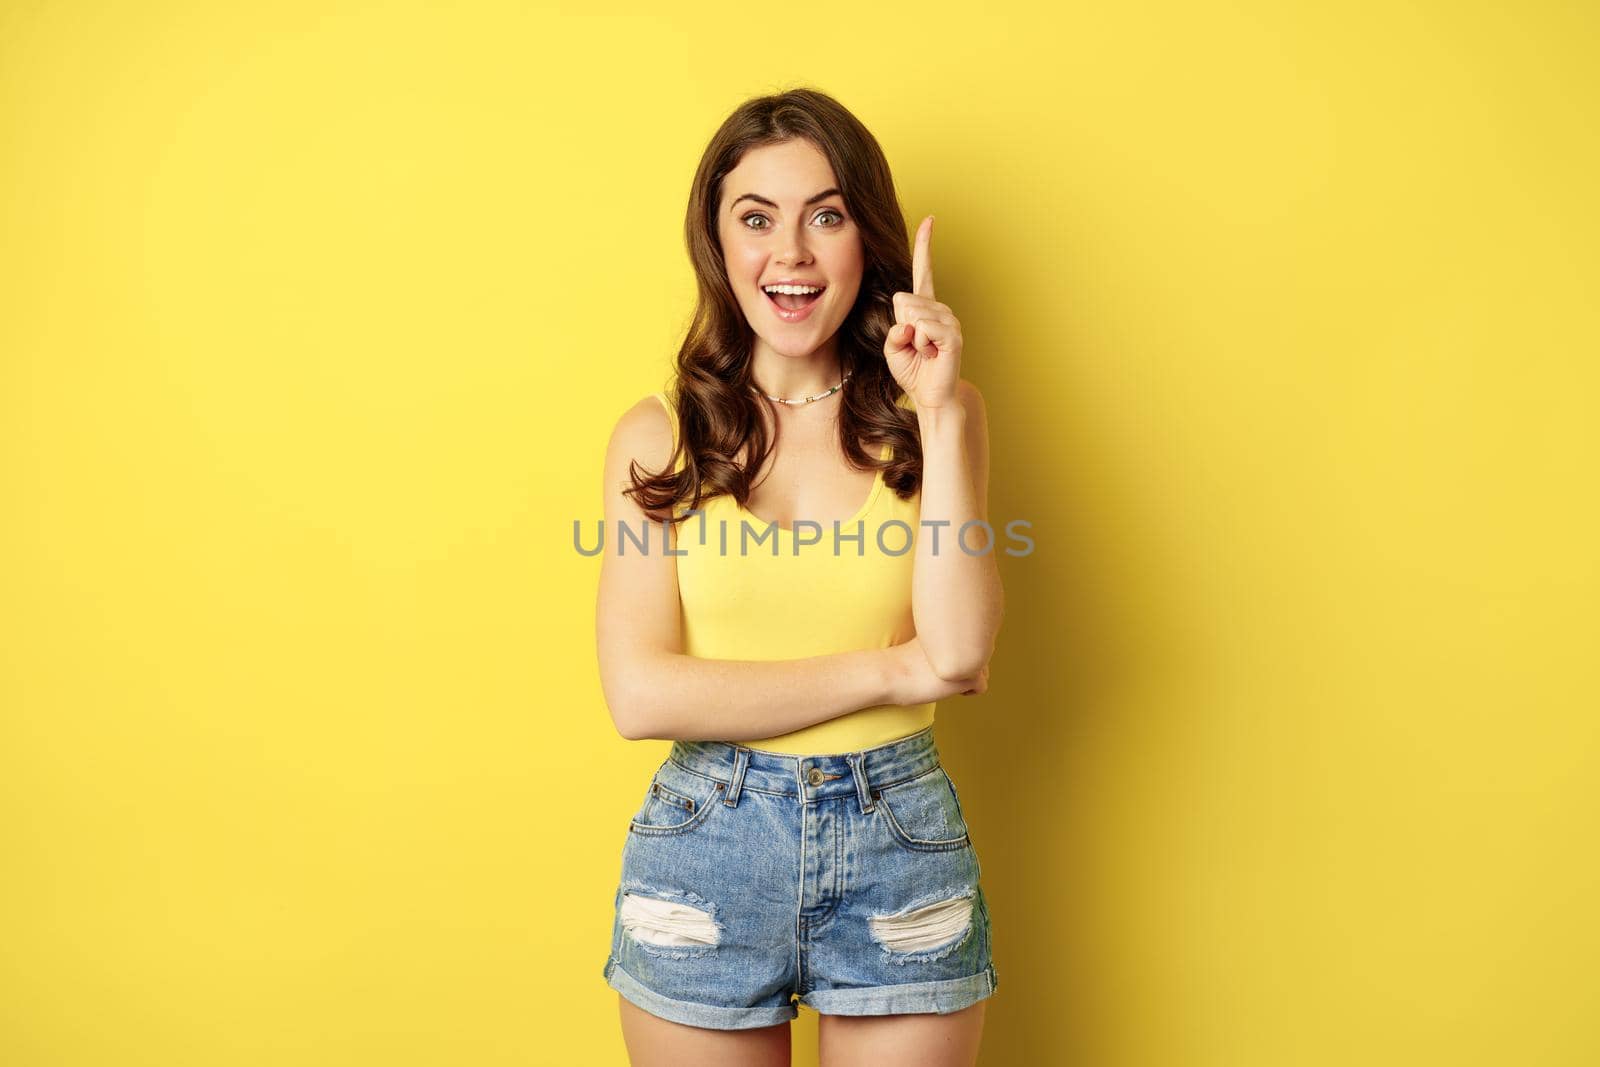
{"x":922,"y":260}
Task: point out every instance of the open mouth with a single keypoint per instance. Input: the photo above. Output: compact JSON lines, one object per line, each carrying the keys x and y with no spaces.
{"x":794,"y":301}
{"x":792,"y":306}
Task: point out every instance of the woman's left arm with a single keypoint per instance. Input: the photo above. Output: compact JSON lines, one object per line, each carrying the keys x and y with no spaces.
{"x":956,"y":597}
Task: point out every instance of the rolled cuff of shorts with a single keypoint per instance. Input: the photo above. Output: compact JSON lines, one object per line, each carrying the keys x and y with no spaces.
{"x":691,"y":1014}
{"x":913,"y":997}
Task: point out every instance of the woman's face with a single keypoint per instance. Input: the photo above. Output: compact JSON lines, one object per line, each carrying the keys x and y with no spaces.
{"x":782,"y":218}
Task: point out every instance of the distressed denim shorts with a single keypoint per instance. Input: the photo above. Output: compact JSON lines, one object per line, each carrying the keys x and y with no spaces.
{"x":752,"y":879}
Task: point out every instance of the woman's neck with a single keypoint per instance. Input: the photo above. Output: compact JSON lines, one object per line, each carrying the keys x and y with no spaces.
{"x":795,"y":377}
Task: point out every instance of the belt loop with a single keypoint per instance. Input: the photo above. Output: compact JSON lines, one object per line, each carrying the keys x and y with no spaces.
{"x":741,"y":760}
{"x":858,"y":764}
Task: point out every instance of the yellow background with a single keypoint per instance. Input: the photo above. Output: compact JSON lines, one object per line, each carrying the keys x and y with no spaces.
{"x":315,"y":318}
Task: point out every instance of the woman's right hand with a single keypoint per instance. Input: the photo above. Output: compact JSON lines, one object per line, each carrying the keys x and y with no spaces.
{"x":912,"y":680}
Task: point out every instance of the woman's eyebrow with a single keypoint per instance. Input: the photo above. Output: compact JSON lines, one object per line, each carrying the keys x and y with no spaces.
{"x":763,"y":200}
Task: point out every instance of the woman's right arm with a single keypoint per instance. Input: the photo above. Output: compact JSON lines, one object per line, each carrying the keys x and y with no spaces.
{"x":654,"y":690}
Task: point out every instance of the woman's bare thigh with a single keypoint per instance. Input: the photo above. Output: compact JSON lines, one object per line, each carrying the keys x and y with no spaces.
{"x":921,"y":1040}
{"x":656,"y":1042}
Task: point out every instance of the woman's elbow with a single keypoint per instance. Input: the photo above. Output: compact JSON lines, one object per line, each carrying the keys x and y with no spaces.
{"x":960,"y":664}
{"x":623,"y":718}
{"x":634,"y":724}
{"x":628,"y":713}
{"x":961,"y":655}
{"x":631,"y":729}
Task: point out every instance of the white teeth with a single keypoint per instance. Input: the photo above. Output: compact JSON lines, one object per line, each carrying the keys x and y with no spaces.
{"x":793,"y":290}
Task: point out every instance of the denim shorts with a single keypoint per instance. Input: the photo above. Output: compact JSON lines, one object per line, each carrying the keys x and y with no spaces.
{"x":753,"y":879}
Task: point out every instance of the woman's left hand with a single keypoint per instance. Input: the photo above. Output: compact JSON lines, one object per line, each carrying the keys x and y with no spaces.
{"x":924,"y":345}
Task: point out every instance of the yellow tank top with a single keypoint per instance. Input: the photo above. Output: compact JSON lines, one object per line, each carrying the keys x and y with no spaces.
{"x":805,"y":600}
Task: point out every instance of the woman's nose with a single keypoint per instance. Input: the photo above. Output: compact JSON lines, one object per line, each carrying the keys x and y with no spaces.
{"x":794,"y":246}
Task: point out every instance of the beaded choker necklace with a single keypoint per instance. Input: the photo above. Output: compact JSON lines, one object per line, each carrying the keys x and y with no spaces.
{"x":810,"y":399}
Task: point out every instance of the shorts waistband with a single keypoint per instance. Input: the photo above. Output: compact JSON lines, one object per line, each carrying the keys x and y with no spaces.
{"x":809,"y":778}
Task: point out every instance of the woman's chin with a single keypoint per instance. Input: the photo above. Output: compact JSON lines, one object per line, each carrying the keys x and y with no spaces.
{"x":794,"y":347}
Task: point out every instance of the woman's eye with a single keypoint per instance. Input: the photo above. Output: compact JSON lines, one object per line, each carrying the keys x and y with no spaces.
{"x":757,"y":215}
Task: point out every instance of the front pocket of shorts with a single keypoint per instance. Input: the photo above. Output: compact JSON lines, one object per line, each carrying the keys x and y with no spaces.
{"x":676,"y":802}
{"x":922,"y":814}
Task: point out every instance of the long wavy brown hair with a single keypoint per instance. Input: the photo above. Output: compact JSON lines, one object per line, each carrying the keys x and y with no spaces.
{"x":718,"y":406}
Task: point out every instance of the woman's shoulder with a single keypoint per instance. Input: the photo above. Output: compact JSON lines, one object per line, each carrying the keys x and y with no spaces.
{"x":646,"y":432}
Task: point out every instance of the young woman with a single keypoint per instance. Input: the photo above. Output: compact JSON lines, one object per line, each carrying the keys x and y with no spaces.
{"x":804,"y":575}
